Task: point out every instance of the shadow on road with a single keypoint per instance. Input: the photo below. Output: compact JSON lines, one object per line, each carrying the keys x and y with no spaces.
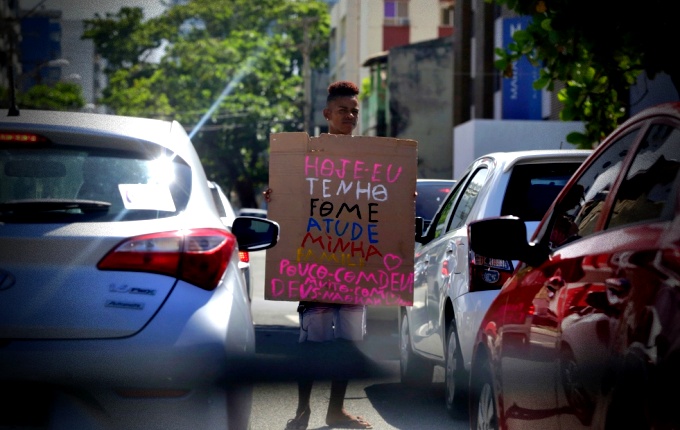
{"x":280,"y":357}
{"x":395,"y":403}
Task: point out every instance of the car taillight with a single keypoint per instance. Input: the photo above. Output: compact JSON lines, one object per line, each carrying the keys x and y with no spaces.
{"x":198,"y":256}
{"x":244,"y":256}
{"x":19,"y":137}
{"x":488,"y":273}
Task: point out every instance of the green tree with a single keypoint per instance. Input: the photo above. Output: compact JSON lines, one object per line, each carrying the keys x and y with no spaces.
{"x":240,"y":54}
{"x":596,"y":50}
{"x":60,"y":96}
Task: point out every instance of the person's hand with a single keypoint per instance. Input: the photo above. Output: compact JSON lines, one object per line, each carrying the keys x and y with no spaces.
{"x":267,"y":194}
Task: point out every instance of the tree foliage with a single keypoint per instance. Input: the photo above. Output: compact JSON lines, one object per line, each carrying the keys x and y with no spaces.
{"x":596,"y":49}
{"x":238,"y":57}
{"x":60,"y":96}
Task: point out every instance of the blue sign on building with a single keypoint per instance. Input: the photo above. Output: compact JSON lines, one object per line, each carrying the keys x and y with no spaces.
{"x":520,"y":99}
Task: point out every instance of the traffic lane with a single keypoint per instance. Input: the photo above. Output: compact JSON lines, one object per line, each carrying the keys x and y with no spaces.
{"x":280,"y":357}
{"x":383,"y":401}
{"x":376,"y":394}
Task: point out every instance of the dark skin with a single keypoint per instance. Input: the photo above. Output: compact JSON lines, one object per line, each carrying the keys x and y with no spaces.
{"x":342,"y":115}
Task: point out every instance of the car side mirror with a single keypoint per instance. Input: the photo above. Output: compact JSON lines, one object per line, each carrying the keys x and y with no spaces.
{"x":504,"y":238}
{"x":254,"y":233}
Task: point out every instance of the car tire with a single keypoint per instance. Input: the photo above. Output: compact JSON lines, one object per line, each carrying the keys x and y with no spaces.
{"x":483,"y":412}
{"x":575,"y":393}
{"x":455,"y":382}
{"x":415,"y":371}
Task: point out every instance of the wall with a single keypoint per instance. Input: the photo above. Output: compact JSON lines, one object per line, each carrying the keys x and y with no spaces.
{"x":420,"y":102}
{"x":477,"y":137}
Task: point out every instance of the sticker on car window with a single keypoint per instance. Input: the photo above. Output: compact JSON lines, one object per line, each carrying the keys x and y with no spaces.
{"x":147,"y":196}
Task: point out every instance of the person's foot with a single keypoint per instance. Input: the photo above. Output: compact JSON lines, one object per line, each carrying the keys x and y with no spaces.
{"x":344,"y":420}
{"x":300,"y":421}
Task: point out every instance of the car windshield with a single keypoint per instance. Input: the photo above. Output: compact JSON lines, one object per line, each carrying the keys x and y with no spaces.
{"x":72,"y":184}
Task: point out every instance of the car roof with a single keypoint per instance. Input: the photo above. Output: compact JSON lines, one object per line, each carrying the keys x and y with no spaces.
{"x":443,"y":180}
{"x":510,"y":158}
{"x":91,"y":123}
{"x":95,"y":128}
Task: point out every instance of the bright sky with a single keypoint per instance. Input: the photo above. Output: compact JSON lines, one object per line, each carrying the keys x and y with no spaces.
{"x":85,"y":9}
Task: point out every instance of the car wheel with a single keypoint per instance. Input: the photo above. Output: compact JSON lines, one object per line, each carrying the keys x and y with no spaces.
{"x":455,"y":390}
{"x":483,"y":413}
{"x":415,"y":370}
{"x":630,"y":392}
{"x":574,"y":391}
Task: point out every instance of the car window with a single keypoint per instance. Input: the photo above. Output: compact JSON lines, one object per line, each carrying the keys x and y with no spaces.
{"x":577,"y":213}
{"x":441,"y":222}
{"x":224,"y":208}
{"x":649,"y":182}
{"x":533,"y":187}
{"x":86,"y":184}
{"x":429,"y":198}
{"x":468,"y":198}
{"x":221,"y":210}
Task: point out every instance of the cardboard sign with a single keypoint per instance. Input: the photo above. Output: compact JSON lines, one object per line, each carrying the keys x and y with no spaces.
{"x":346,"y":208}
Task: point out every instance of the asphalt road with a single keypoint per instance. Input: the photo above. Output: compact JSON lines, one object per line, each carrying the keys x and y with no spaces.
{"x":375,"y":391}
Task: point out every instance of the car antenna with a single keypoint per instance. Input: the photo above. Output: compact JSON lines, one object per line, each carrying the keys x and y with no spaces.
{"x":13,"y":109}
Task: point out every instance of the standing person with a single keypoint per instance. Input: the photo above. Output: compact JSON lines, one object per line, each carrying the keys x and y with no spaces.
{"x":326,"y":324}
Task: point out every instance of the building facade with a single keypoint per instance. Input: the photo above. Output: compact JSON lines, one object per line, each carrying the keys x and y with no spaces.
{"x":361,"y":29}
{"x":416,"y":36}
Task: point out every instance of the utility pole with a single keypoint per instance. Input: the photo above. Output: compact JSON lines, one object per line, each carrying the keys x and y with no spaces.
{"x":8,"y":41}
{"x":306,"y":47}
{"x":461,"y":61}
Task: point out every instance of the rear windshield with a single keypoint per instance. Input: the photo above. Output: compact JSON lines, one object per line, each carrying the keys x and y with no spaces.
{"x":73,"y":184}
{"x":533,"y":187}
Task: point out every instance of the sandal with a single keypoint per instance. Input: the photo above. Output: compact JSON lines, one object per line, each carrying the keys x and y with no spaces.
{"x":300,"y":421}
{"x":350,"y":422}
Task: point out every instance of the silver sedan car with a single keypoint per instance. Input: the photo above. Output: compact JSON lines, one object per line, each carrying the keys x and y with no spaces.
{"x":228,"y":215}
{"x":122,"y":305}
{"x":452,"y":286}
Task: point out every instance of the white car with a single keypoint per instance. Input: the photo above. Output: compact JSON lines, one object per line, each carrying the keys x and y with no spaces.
{"x":227,"y":215}
{"x":453,"y":287}
{"x":431,"y":194}
{"x":256,"y":212}
{"x":122,"y":305}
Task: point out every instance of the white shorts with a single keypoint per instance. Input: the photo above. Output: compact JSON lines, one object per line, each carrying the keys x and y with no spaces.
{"x":322,"y":322}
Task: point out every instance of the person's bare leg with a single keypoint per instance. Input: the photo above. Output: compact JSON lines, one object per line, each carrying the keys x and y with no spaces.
{"x":337,"y":400}
{"x":337,"y":416}
{"x":304,"y":395}
{"x":303,"y":409}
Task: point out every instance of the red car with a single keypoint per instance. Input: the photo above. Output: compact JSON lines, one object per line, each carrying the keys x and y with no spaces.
{"x":586,"y":332}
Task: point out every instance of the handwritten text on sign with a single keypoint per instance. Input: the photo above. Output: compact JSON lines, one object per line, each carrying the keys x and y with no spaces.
{"x":346,"y":250}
